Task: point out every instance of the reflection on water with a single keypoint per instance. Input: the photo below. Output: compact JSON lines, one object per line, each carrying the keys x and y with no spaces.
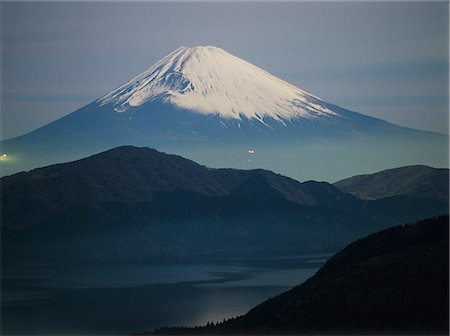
{"x":121,"y":299}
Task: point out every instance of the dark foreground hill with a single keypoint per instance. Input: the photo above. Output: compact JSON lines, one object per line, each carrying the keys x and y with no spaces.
{"x":418,"y":181}
{"x":394,"y":281}
{"x":135,"y":204}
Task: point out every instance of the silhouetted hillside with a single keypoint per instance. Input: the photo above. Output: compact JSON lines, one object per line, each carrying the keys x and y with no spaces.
{"x":417,"y":181}
{"x":130,"y":174}
{"x":138,"y":204}
{"x":393,"y":281}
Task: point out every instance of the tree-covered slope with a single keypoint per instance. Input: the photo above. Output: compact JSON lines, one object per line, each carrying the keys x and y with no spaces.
{"x":393,"y":281}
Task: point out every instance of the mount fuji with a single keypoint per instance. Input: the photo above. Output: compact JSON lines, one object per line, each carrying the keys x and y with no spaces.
{"x":215,"y":108}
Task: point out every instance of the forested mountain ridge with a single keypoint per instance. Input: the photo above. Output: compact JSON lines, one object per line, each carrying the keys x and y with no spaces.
{"x":391,"y":282}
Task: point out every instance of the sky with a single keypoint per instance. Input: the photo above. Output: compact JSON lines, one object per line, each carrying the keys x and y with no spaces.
{"x":383,"y":59}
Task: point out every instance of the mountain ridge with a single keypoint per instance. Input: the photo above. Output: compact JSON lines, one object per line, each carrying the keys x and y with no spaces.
{"x":141,"y":172}
{"x":135,"y":204}
{"x":415,"y":180}
{"x":394,"y":281}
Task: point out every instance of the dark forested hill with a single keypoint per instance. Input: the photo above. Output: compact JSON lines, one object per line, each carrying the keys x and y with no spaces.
{"x":134,"y":203}
{"x":418,"y":181}
{"x":130,"y":174}
{"x":393,"y":281}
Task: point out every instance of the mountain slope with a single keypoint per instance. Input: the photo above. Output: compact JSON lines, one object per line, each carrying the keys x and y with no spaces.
{"x":208,"y":80}
{"x":129,"y":174}
{"x":418,"y":181}
{"x":211,"y":106}
{"x":393,"y":281}
{"x":140,"y":204}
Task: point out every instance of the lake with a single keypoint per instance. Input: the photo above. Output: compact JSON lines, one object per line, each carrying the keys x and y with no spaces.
{"x":122,"y":299}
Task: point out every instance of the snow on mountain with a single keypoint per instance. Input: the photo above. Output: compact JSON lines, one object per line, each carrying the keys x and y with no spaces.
{"x":210,"y":106}
{"x":209,"y":80}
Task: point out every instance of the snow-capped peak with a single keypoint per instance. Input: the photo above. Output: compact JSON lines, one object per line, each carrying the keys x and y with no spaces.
{"x":210,"y":80}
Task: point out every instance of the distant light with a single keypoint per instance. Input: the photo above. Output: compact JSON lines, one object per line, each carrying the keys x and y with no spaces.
{"x":251,"y":151}
{"x":4,"y":155}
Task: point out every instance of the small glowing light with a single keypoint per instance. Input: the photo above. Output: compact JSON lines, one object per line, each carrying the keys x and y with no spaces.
{"x":4,"y":155}
{"x":251,"y":151}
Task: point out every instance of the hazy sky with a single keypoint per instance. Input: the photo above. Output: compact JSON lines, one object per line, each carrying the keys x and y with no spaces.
{"x":385,"y":59}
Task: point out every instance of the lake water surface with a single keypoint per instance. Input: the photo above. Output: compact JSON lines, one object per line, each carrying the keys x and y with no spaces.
{"x":122,"y":299}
